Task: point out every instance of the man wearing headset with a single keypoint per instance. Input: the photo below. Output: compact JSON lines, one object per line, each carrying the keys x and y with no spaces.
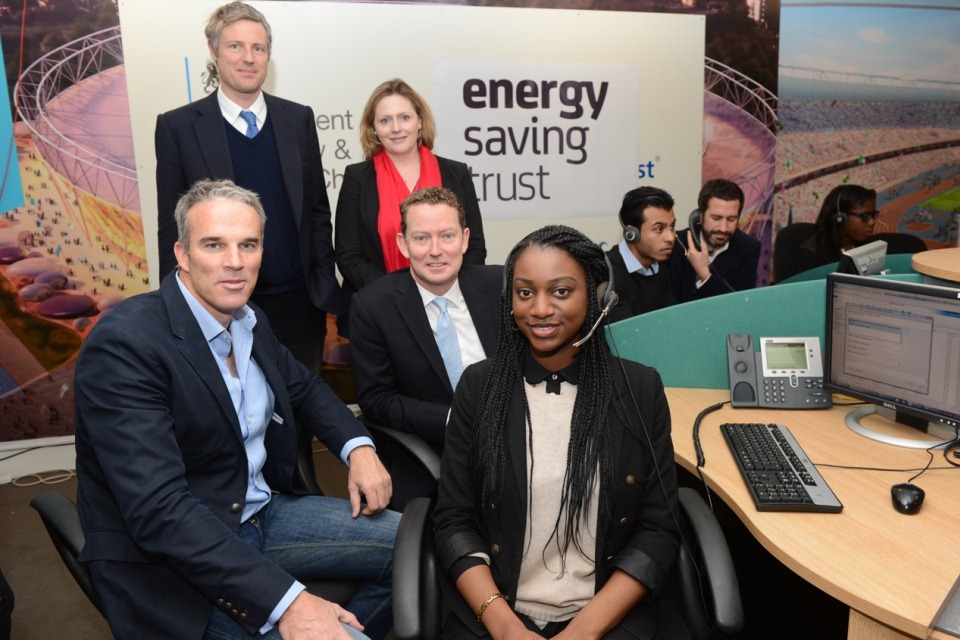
{"x":640,"y":261}
{"x":713,"y":256}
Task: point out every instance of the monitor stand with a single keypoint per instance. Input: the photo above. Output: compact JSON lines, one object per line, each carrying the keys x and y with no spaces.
{"x":853,"y":421}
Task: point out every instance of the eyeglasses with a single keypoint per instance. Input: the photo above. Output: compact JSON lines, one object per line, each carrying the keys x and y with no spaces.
{"x":865,"y":216}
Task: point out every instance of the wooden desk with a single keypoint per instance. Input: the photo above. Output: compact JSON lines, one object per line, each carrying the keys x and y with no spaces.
{"x":939,"y":263}
{"x":893,"y":570}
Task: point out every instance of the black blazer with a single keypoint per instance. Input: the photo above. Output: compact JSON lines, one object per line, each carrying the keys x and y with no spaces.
{"x":737,"y":265}
{"x":358,"y":252}
{"x":640,"y":537}
{"x":401,"y":380}
{"x":162,"y":468}
{"x":191,"y":144}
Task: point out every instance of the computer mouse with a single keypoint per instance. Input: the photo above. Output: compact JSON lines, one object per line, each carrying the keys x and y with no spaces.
{"x":907,"y":498}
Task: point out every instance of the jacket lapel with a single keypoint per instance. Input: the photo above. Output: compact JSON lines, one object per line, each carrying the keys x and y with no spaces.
{"x":409,"y":304}
{"x":212,"y":138}
{"x":483,"y":310}
{"x":195,"y":350}
{"x":291,"y":164}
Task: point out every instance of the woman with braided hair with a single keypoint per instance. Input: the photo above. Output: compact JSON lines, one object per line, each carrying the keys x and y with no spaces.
{"x":555,"y":516}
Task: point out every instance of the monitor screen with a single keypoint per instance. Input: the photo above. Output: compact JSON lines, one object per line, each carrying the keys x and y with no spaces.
{"x":865,"y":260}
{"x":897,"y":345}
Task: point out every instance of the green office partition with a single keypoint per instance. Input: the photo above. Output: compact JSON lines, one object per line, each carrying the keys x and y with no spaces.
{"x":687,"y":343}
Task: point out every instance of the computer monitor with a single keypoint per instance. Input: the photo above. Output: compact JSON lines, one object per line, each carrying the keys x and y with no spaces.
{"x":895,"y":345}
{"x":865,"y":260}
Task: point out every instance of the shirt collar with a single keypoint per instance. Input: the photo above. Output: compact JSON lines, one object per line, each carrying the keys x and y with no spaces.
{"x":633,"y":265}
{"x":454,"y":295}
{"x":231,"y":110}
{"x":534,"y":373}
{"x":210,"y":326}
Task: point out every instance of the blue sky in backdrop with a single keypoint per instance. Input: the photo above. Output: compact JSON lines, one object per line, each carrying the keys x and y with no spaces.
{"x":909,"y":40}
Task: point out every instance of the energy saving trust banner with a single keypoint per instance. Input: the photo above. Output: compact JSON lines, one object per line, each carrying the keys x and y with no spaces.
{"x":540,"y":137}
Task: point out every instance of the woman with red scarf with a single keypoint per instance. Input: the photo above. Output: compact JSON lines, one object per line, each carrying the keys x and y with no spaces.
{"x":396,"y":132}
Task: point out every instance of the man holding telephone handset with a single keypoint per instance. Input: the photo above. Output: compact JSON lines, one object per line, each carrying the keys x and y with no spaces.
{"x":713,"y":256}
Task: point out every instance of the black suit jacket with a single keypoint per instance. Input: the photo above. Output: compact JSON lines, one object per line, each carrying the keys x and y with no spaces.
{"x":359,"y":256}
{"x":401,"y":380}
{"x":737,"y":265}
{"x":162,"y":467}
{"x":191,"y":144}
{"x":638,"y":537}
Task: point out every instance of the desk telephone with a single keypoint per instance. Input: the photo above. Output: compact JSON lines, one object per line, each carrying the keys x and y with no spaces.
{"x":787,"y":373}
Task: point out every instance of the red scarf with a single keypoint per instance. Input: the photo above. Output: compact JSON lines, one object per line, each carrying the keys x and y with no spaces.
{"x":392,"y":190}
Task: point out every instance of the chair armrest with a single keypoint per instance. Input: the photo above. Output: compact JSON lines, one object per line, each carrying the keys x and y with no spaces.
{"x":718,"y":577}
{"x":413,"y":444}
{"x":416,"y":587}
{"x":60,"y":518}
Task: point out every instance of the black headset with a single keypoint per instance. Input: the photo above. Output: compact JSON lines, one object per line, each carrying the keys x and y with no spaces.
{"x":841,"y":214}
{"x":630,"y":233}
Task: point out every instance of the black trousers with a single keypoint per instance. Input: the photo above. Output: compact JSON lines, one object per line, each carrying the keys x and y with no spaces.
{"x":298,"y":325}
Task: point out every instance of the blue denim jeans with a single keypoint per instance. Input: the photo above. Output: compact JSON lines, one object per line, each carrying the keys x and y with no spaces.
{"x":315,"y":538}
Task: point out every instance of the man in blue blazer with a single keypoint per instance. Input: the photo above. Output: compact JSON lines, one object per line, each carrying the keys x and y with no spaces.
{"x":188,"y":412}
{"x":270,"y":146}
{"x":402,"y":380}
{"x":713,"y":255}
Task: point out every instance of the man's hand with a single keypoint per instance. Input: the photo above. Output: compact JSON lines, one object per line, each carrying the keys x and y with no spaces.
{"x":368,"y":479}
{"x":311,"y":617}
{"x":699,"y":259}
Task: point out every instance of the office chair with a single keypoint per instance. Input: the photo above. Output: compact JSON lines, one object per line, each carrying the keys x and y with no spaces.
{"x":392,"y":441}
{"x":901,"y":242}
{"x":704,"y":584}
{"x":785,"y":247}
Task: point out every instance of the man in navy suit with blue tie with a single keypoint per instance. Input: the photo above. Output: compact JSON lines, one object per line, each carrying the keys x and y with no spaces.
{"x":270,"y":146}
{"x":413,"y":331}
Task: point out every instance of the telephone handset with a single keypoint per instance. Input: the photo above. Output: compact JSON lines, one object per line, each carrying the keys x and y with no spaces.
{"x":693,"y":224}
{"x":787,"y":373}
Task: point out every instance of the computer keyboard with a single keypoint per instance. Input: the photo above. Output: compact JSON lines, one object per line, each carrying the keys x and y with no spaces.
{"x":778,"y":473}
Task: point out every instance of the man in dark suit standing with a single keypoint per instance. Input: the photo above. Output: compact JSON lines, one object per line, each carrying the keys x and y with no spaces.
{"x":270,"y":146}
{"x":187,"y":418}
{"x":397,"y":335}
{"x":713,"y":255}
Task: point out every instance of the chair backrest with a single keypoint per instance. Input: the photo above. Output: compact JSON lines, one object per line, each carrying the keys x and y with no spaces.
{"x":901,"y":242}
{"x":60,"y":517}
{"x":785,"y":247}
{"x":417,"y":604}
{"x":706,"y":580}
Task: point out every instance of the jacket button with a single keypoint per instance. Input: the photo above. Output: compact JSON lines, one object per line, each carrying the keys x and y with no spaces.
{"x":493,"y":506}
{"x":609,"y":559}
{"x":243,"y":616}
{"x":236,"y":507}
{"x":631,"y":481}
{"x":234,"y":613}
{"x":495,"y":549}
{"x":623,"y":522}
{"x":220,"y":602}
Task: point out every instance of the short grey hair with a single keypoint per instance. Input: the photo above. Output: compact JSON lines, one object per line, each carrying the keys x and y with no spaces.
{"x":207,"y":190}
{"x":228,"y":14}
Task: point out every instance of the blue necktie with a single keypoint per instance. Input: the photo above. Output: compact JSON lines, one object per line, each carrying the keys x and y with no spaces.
{"x":251,"y":119}
{"x":448,"y":342}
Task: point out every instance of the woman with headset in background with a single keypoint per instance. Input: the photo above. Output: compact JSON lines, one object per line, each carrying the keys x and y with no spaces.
{"x":847,"y":219}
{"x":556,"y":508}
{"x":397,"y":131}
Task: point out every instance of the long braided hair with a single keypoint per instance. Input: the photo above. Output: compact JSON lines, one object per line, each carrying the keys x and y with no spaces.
{"x":589,"y":446}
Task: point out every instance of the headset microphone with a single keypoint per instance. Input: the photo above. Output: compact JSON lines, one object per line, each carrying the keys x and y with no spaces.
{"x":611,"y":299}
